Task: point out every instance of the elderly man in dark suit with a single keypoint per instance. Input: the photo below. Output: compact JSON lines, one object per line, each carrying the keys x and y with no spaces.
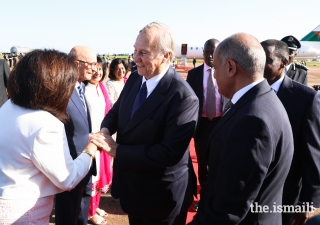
{"x":155,"y":118}
{"x":251,"y":147}
{"x":4,"y":76}
{"x":295,"y":71}
{"x":211,"y":103}
{"x":302,"y":104}
{"x":73,"y":207}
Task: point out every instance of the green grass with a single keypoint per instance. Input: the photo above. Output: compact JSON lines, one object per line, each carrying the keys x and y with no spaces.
{"x":309,"y":64}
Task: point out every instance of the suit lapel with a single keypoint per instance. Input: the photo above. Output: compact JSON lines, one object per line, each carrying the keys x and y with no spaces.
{"x":78,"y":104}
{"x":129,"y":99}
{"x":199,"y":84}
{"x":154,"y":99}
{"x":285,"y":90}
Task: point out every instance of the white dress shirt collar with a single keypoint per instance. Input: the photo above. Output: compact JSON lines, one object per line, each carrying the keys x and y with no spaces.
{"x":244,"y":90}
{"x":276,"y":85}
{"x":153,"y":82}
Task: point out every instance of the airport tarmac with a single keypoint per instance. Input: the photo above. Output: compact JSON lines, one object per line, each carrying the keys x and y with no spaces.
{"x":112,"y":206}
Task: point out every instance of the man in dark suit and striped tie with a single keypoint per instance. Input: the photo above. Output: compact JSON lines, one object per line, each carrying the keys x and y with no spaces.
{"x":302,"y":104}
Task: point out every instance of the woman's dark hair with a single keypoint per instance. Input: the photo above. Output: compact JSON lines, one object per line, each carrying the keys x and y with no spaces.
{"x":43,"y":79}
{"x":102,"y":64}
{"x":113,"y":65}
{"x":105,"y":66}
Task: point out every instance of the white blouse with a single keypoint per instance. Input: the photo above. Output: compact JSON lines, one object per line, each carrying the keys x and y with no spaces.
{"x":114,"y":89}
{"x":34,"y":155}
{"x":96,"y":104}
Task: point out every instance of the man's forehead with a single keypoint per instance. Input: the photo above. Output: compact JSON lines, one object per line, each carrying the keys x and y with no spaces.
{"x":88,"y":56}
{"x":146,"y":42}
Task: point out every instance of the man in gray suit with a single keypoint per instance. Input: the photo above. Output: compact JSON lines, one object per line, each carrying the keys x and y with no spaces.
{"x":72,"y":207}
{"x":4,"y":75}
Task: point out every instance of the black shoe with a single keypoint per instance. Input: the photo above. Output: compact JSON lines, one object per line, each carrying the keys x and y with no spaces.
{"x":196,"y":206}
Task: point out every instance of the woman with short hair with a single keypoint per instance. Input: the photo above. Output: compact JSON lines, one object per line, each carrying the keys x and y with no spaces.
{"x":35,"y":162}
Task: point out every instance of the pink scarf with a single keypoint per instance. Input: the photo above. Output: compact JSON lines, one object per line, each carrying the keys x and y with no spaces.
{"x":106,"y":172}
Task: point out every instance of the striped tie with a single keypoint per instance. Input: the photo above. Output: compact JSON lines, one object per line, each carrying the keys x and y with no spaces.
{"x":81,"y":95}
{"x":227,"y":107}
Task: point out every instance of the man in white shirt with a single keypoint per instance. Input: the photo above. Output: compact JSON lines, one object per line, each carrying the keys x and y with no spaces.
{"x":302,"y":104}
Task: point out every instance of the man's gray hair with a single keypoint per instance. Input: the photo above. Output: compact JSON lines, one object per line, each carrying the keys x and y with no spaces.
{"x":166,"y":42}
{"x":251,"y":58}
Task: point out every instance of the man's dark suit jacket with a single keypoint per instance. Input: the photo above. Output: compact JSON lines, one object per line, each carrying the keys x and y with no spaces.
{"x":4,"y":76}
{"x":303,"y":107}
{"x":251,"y":150}
{"x":204,"y":127}
{"x":152,"y":168}
{"x":195,"y":79}
{"x":68,"y":203}
{"x":299,"y":73}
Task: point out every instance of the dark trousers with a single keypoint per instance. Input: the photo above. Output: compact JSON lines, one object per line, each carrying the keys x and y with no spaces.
{"x":201,"y":141}
{"x":178,"y":217}
{"x":178,"y":220}
{"x":72,"y":207}
{"x":287,"y":219}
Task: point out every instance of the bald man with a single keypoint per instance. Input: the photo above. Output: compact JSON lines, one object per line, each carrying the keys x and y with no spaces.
{"x":198,"y":78}
{"x":250,"y":149}
{"x":73,"y":207}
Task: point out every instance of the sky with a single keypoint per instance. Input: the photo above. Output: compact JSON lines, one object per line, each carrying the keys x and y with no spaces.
{"x":111,"y":27}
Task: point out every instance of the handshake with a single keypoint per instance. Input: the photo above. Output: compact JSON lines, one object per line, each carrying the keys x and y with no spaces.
{"x":104,"y":141}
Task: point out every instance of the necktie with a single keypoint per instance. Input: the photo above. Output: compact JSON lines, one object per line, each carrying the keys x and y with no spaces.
{"x":140,"y":98}
{"x":227,"y":107}
{"x":211,"y":98}
{"x":81,"y":95}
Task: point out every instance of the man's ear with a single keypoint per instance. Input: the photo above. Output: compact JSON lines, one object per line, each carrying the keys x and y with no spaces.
{"x":231,"y":66}
{"x":284,"y":63}
{"x":166,"y":56}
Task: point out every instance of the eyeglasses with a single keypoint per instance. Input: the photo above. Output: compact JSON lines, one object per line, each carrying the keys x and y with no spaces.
{"x":87,"y":64}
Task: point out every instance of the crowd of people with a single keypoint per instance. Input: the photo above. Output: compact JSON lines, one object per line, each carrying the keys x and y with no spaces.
{"x":254,"y":122}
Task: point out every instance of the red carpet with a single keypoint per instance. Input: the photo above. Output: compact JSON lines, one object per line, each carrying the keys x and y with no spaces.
{"x":191,"y":212}
{"x":184,"y":67}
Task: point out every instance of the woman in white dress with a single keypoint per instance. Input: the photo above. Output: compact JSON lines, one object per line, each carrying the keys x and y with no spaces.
{"x":35,"y":162}
{"x":98,"y":105}
{"x":117,"y":72}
